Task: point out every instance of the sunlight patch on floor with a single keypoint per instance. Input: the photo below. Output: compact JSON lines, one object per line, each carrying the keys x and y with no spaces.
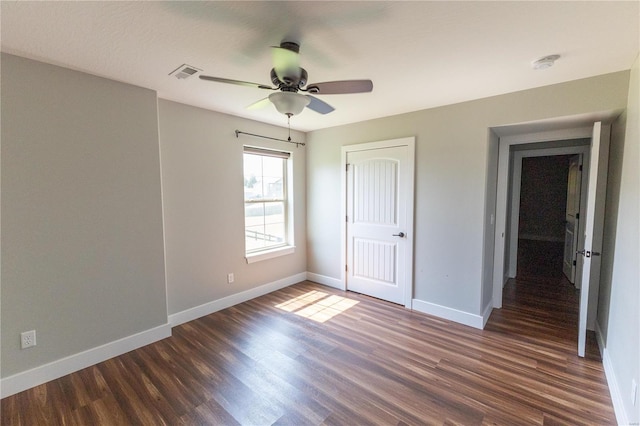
{"x":317,"y":306}
{"x":301,"y":301}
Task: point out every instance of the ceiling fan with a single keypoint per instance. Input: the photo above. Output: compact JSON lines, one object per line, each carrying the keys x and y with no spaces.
{"x":289,"y":78}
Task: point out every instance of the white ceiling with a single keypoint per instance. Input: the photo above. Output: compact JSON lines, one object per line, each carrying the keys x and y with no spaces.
{"x":418,"y":54}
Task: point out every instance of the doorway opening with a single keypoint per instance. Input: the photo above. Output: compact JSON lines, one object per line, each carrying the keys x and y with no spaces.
{"x":542,"y":219}
{"x":591,"y":204}
{"x":543,"y":289}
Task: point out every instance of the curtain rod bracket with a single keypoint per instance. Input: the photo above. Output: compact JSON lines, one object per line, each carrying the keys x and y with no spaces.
{"x":297,"y":144}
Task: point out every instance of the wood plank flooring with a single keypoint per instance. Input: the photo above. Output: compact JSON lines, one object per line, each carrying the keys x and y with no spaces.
{"x":310,"y":355}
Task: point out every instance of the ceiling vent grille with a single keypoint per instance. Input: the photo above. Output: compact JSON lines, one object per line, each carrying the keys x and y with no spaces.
{"x":184,"y":71}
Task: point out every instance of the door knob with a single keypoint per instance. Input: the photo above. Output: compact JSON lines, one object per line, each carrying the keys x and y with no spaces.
{"x":587,"y":253}
{"x":401,"y":235}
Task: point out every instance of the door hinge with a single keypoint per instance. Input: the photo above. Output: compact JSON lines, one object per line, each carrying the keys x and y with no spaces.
{"x":346,"y":218}
{"x":577,"y":215}
{"x":346,"y":167}
{"x":574,"y":263}
{"x":580,"y":168}
{"x":346,"y":268}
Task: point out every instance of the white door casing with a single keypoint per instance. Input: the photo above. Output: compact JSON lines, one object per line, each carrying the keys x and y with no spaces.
{"x":504,"y":252}
{"x":589,"y":259}
{"x":588,"y":298}
{"x":378,"y":247}
{"x":572,"y":218}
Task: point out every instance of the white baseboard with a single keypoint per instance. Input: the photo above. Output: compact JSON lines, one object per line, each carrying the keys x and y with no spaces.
{"x":612,"y":381}
{"x":600,"y":339}
{"x":465,"y":318}
{"x":324,"y":280}
{"x":56,"y":369}
{"x":487,"y":313}
{"x":53,"y":370}
{"x":506,"y":278}
{"x":451,"y":314}
{"x":226,"y":302}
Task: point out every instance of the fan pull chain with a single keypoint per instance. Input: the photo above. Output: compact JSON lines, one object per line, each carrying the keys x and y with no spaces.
{"x":289,"y":125}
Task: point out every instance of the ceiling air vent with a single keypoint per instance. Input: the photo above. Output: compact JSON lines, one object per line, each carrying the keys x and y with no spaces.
{"x":184,"y":71}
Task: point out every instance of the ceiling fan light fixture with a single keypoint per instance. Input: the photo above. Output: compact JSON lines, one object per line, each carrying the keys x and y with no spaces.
{"x":289,"y":103}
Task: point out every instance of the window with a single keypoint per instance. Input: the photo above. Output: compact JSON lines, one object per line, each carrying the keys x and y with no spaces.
{"x":265,"y":200}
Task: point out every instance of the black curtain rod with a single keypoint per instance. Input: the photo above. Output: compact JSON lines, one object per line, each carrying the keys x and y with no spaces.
{"x":238,"y":132}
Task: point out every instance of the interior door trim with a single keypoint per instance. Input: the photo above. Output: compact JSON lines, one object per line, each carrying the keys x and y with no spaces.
{"x":500,"y":256}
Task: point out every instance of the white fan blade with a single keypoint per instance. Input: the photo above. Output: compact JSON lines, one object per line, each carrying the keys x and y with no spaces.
{"x":259,"y":104}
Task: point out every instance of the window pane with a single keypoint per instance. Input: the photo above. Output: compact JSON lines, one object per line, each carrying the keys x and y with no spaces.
{"x":254,"y":226}
{"x":274,"y":212}
{"x":272,"y":166}
{"x":272,"y":178}
{"x":253,"y":213}
{"x":274,"y":222}
{"x":252,"y":177}
{"x":272,"y":188}
{"x":275,"y":233}
{"x":254,"y":237}
{"x":265,"y":221}
{"x":264,"y":225}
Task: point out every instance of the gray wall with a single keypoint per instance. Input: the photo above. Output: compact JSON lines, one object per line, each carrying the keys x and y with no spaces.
{"x":81,"y":214}
{"x":619,"y":304}
{"x":202,"y":184}
{"x":451,"y":178}
{"x":82,"y":238}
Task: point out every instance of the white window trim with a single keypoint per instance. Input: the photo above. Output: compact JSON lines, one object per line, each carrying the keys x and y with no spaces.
{"x":270,"y":254}
{"x":288,"y":247}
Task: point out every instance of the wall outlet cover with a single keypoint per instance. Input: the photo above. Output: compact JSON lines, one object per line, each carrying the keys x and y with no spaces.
{"x":27,"y":339}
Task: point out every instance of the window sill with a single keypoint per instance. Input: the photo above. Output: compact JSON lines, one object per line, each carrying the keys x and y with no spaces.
{"x":270,"y":254}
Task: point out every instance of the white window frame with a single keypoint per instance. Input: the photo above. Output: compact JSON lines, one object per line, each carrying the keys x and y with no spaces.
{"x":287,"y":246}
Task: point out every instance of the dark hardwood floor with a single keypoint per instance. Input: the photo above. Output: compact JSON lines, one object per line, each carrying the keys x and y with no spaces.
{"x":309,"y":354}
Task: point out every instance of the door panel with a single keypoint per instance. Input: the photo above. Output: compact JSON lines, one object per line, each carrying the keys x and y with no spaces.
{"x":374,"y":260}
{"x":589,"y":259}
{"x":375,"y":191}
{"x":569,"y":252}
{"x":377,"y":222}
{"x":574,"y":181}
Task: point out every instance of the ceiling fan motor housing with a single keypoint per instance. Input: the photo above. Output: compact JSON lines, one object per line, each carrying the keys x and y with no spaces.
{"x":290,"y":83}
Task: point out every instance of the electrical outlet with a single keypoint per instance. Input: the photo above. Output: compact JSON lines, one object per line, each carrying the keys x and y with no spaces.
{"x":634,"y":391}
{"x":230,"y":278}
{"x":27,"y":339}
